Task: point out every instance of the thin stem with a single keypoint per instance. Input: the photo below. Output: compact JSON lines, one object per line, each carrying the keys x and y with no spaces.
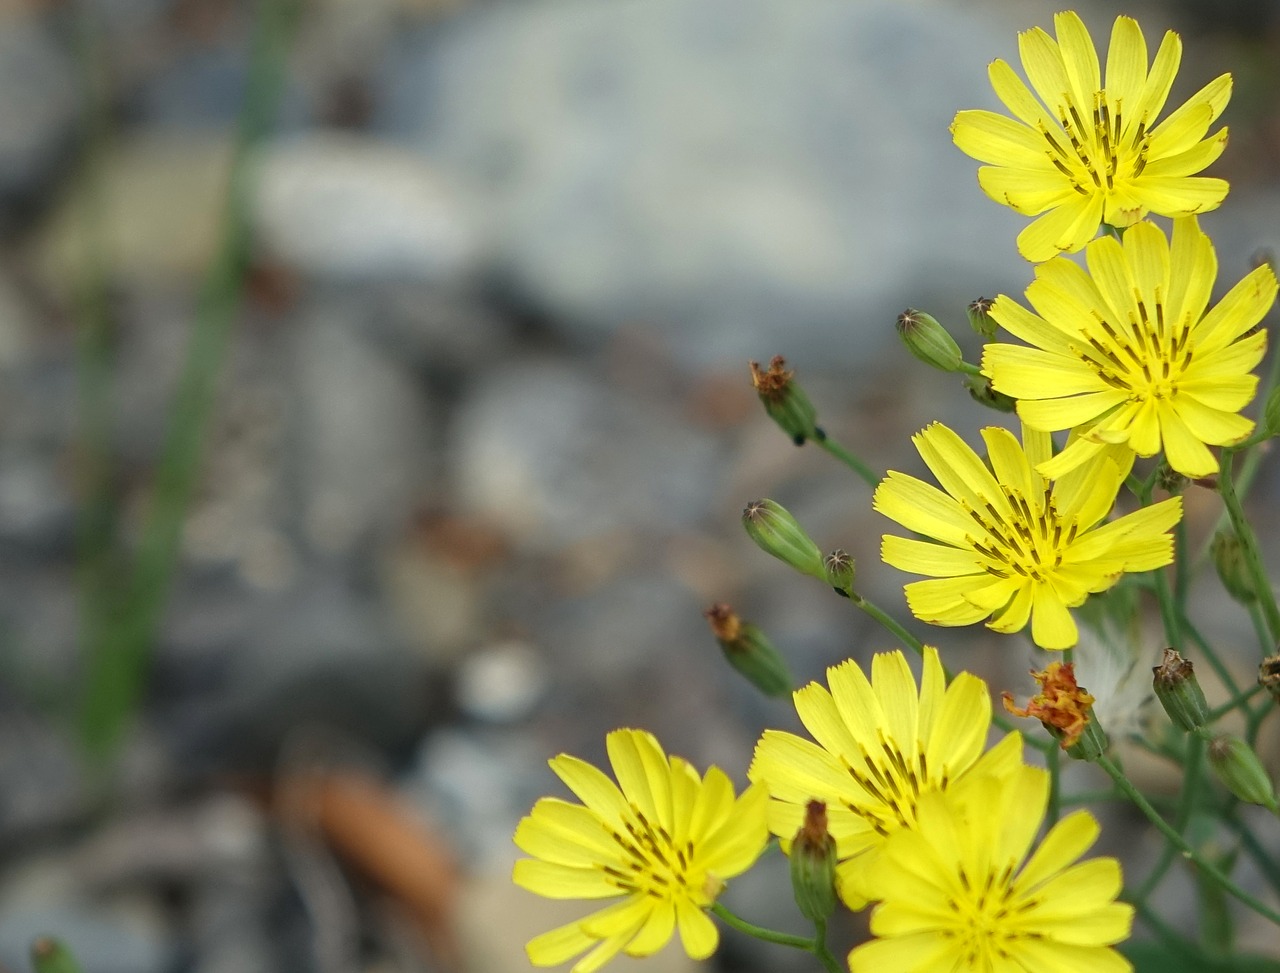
{"x":821,"y":950}
{"x":895,"y":628}
{"x":1248,"y":546}
{"x":1220,"y":667}
{"x":1238,"y":700}
{"x":1260,"y":630}
{"x":869,"y":476}
{"x":809,"y":945}
{"x":1163,"y":826}
{"x":1186,"y":804}
{"x":1053,"y":763}
{"x":119,"y":657}
{"x":1267,"y":865}
{"x":96,"y":512}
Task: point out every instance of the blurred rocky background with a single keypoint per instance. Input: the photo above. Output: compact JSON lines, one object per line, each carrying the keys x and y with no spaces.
{"x":484,"y":429}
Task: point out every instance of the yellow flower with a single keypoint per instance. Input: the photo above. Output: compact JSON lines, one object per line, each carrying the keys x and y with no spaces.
{"x":959,"y":892}
{"x":1011,"y":545}
{"x":880,"y":745}
{"x":1084,"y":154}
{"x":663,"y":845}
{"x":1128,"y":351}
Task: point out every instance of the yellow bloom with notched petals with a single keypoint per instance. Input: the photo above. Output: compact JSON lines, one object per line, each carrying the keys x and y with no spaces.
{"x":881,"y":743}
{"x":1009,"y":544}
{"x":1127,"y":353}
{"x":963,"y":890}
{"x":1082,"y":153}
{"x":661,"y":841}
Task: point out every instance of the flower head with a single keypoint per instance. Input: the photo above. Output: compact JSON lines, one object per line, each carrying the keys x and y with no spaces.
{"x":1061,"y":705}
{"x":881,"y":743}
{"x":1084,"y":154}
{"x":661,"y":841}
{"x":1128,"y":351}
{"x":1010,"y":545}
{"x":959,"y":892}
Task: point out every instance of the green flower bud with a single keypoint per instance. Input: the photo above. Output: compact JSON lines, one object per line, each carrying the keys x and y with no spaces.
{"x":1233,"y":569}
{"x":747,"y":649}
{"x":1271,"y":413}
{"x":980,"y":391}
{"x":813,"y":865}
{"x":1092,"y":743}
{"x":980,"y":318}
{"x":49,"y":955}
{"x":1170,"y":480}
{"x":840,"y":572}
{"x":1269,"y":676}
{"x":776,"y":532}
{"x":929,"y":341}
{"x":1179,"y":692}
{"x":1240,"y":770}
{"x":785,"y":401}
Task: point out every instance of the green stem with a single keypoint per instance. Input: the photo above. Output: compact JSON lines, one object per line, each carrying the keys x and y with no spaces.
{"x":895,"y":628}
{"x":96,"y":509}
{"x":1248,"y":545}
{"x":1186,"y":804}
{"x":1163,"y":826}
{"x":808,"y":944}
{"x":821,"y":950}
{"x":1260,"y":629}
{"x":1262,"y":858}
{"x":1238,"y":700}
{"x":869,"y":476}
{"x":1053,"y":763}
{"x":119,"y":657}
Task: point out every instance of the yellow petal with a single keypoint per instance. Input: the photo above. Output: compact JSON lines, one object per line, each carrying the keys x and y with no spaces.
{"x":1063,"y":230}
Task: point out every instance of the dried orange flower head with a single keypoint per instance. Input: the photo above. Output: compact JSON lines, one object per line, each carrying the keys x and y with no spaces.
{"x":1061,"y":705}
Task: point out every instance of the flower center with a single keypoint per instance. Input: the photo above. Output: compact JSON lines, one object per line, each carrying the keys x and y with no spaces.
{"x":894,"y":782}
{"x":1144,"y":357}
{"x":986,"y":917}
{"x":653,"y":863}
{"x":1028,"y":541}
{"x":1097,"y":153}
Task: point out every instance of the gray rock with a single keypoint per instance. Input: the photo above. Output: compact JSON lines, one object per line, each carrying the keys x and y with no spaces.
{"x":363,"y":439}
{"x":346,"y":207}
{"x":40,"y":106}
{"x":735,"y":173}
{"x":553,"y":455}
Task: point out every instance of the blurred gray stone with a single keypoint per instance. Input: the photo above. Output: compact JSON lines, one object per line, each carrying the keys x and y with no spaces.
{"x":363,"y":439}
{"x":552,"y":455}
{"x":40,"y":106}
{"x":735,"y":173}
{"x":352,"y":208}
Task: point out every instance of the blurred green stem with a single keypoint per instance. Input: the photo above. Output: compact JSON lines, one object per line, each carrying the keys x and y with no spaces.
{"x":119,"y":651}
{"x":1249,"y":545}
{"x":849,"y":459}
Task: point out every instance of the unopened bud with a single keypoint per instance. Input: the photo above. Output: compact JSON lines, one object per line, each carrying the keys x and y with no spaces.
{"x":1269,"y":676}
{"x":840,"y":572}
{"x":929,"y":341}
{"x":980,"y":391}
{"x":813,"y":865}
{"x":1179,"y":692}
{"x":1170,"y":480}
{"x":776,"y":532}
{"x":785,"y":401}
{"x":748,"y":650}
{"x":1240,"y":770}
{"x":1271,"y":413}
{"x":1232,"y":566}
{"x":980,"y":318}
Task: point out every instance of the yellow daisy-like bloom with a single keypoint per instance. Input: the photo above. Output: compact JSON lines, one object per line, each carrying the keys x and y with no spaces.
{"x":662,"y":840}
{"x":1011,"y":545}
{"x":1084,"y":154}
{"x":959,"y":892}
{"x":1128,"y":351}
{"x":880,"y":746}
